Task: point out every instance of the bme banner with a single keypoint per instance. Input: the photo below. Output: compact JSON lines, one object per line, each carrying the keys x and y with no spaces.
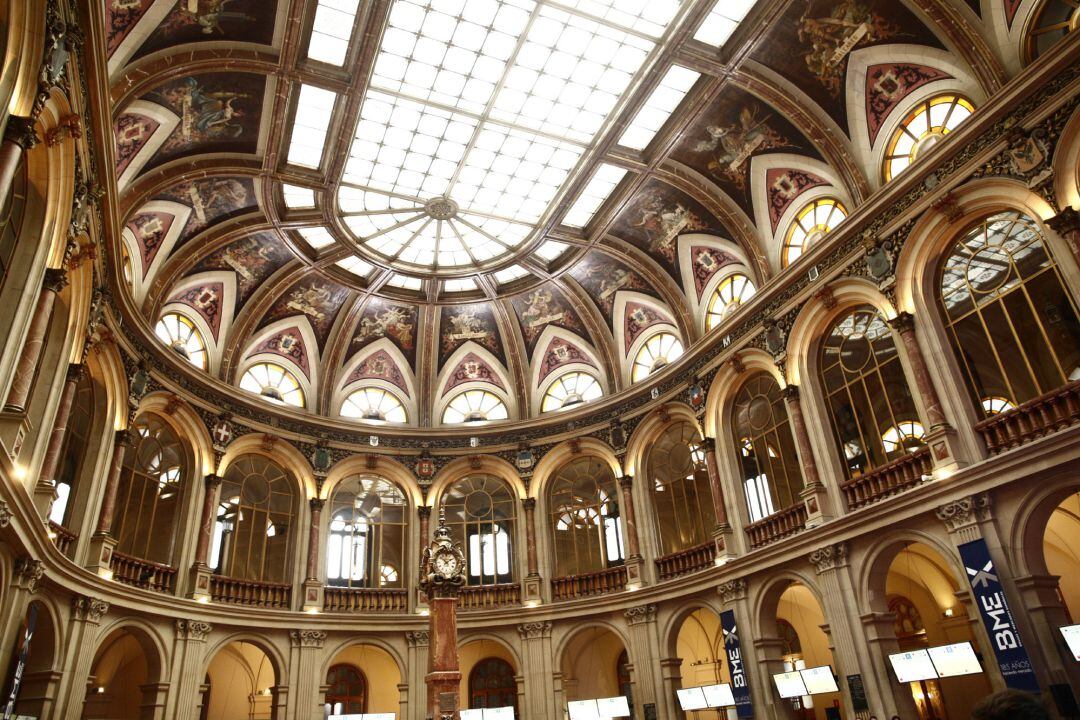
{"x":739,"y":687}
{"x":1011,"y":656}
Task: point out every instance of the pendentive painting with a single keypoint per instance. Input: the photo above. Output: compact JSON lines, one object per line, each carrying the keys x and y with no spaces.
{"x":384,"y":319}
{"x":602,"y":277}
{"x":459,"y":324}
{"x":192,"y":21}
{"x":315,"y":297}
{"x":543,"y":306}
{"x":212,"y":200}
{"x":254,"y":259}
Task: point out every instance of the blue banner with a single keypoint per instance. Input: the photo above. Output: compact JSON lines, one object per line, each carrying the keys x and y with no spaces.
{"x":1011,"y":656}
{"x":740,"y":688}
{"x":20,"y":663}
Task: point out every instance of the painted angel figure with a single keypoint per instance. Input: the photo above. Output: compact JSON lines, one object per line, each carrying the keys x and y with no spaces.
{"x":733,"y":144}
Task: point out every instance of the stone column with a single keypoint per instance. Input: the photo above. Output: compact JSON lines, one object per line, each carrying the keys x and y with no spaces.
{"x":1067,"y":225}
{"x":188,"y":667}
{"x":45,"y":488}
{"x":644,"y":651}
{"x":103,"y":543}
{"x":880,"y":634}
{"x":313,"y":588}
{"x":734,"y":596}
{"x":403,"y":699}
{"x":539,"y":671}
{"x":200,"y":571}
{"x":19,"y":136}
{"x":78,"y":652}
{"x":417,"y":596}
{"x":424,"y":512}
{"x":723,"y":536}
{"x":22,"y":381}
{"x":941,"y":437}
{"x":307,"y":703}
{"x":635,"y":564}
{"x":416,"y":667}
{"x":671,"y":672}
{"x":532,"y":587}
{"x":814,"y":495}
{"x":1042,"y":604}
{"x":154,"y":698}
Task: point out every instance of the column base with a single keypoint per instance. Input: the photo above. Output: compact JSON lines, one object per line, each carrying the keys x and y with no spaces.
{"x":101,"y":552}
{"x":945,"y":451}
{"x":14,"y":429}
{"x":816,"y":501}
{"x":200,"y":583}
{"x":44,"y":497}
{"x":313,"y":596}
{"x":531,"y":590}
{"x":724,"y":540}
{"x":635,"y":576}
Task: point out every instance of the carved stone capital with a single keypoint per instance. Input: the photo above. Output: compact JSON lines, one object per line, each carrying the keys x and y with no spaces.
{"x":903,"y":323}
{"x":212,"y":482}
{"x":194,"y":630}
{"x":307,"y":638}
{"x":125,"y":437}
{"x":55,"y":279}
{"x":5,"y":514}
{"x":829,"y":557}
{"x":89,"y":609}
{"x":708,"y":444}
{"x":28,"y":572}
{"x":424,"y":511}
{"x":732,"y":590}
{"x":317,"y":504}
{"x":528,"y":504}
{"x":790,"y":393}
{"x":641,"y":614}
{"x":76,"y":372}
{"x":418,"y":638}
{"x":21,"y":131}
{"x":1066,"y":223}
{"x":533,"y":630}
{"x":626,"y":482}
{"x":964,"y":512}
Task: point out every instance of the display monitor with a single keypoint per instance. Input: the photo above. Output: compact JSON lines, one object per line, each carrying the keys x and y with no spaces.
{"x":790,"y":684}
{"x":955,"y":659}
{"x":1071,"y":633}
{"x":819,"y":680}
{"x":913,"y":666}
{"x":692,"y":698}
{"x":719,"y":695}
{"x":613,"y":707}
{"x":471,"y":714}
{"x":583,"y":710}
{"x":380,"y":716}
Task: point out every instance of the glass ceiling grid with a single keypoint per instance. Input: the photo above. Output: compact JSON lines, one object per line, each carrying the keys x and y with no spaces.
{"x":476,"y":115}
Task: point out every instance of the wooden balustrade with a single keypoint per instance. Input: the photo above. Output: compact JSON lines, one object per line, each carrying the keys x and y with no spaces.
{"x":776,"y":526}
{"x":687,"y":561}
{"x":897,"y":476}
{"x":63,"y":538}
{"x":594,"y":583}
{"x":249,"y":592}
{"x":142,"y":573}
{"x":345,"y":599}
{"x":1038,"y":417}
{"x":481,"y":597}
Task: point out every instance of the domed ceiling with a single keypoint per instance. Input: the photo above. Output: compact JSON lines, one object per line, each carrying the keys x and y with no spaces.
{"x":428,"y":197}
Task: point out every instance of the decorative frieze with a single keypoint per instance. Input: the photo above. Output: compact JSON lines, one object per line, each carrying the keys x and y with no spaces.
{"x":829,"y":557}
{"x":964,"y":512}
{"x":641,"y":614}
{"x":534,"y":630}
{"x":89,"y":609}
{"x":307,"y":638}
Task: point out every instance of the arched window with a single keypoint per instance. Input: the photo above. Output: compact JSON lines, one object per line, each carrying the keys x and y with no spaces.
{"x":816,"y":220}
{"x":570,"y":389}
{"x":366,"y":542}
{"x":73,"y":456}
{"x":474,"y":406}
{"x":729,"y":295}
{"x":12,"y":215}
{"x":867,"y":392}
{"x":481,"y":514}
{"x":924,"y":126}
{"x":657,"y":352}
{"x":585,"y":518}
{"x":274,"y":383}
{"x":374,"y":404}
{"x":1010,"y":318}
{"x":347,"y":690}
{"x":181,"y":335}
{"x":492,"y":684}
{"x":254,"y":522}
{"x":768,"y":461}
{"x":1049,"y":25}
{"x":150,"y":492}
{"x":679,"y":484}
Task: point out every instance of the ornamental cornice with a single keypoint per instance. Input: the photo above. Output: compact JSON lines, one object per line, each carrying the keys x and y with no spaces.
{"x":964,"y":512}
{"x":641,"y":614}
{"x":829,"y":557}
{"x":534,"y":630}
{"x":89,"y":609}
{"x":732,"y":590}
{"x":307,"y":638}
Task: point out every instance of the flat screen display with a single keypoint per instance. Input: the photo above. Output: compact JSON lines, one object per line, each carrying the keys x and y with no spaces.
{"x":692,"y":698}
{"x":380,"y":716}
{"x":913,"y":666}
{"x":1071,"y":633}
{"x":719,"y":695}
{"x":583,"y":710}
{"x":612,"y":707}
{"x":790,"y":684}
{"x":956,"y":659}
{"x":471,"y":714}
{"x":819,"y":680}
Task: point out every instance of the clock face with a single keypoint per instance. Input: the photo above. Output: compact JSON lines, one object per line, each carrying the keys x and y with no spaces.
{"x":445,"y":565}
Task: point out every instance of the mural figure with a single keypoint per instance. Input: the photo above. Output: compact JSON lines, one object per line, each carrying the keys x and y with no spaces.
{"x":466,"y":325}
{"x":211,"y":199}
{"x":541,"y":309}
{"x":311,"y":300}
{"x":207,"y":15}
{"x":663,"y":223}
{"x":831,"y":38}
{"x":732,"y":144}
{"x":248,"y":258}
{"x":396,"y":322}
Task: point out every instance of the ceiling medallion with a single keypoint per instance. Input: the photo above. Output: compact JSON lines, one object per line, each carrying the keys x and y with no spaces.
{"x":441,"y":208}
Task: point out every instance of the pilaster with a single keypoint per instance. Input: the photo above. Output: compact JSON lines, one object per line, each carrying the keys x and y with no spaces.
{"x":536,"y":653}
{"x":78,"y":652}
{"x":417,"y":642}
{"x":188,"y":667}
{"x":304,"y":674}
{"x":644,"y":651}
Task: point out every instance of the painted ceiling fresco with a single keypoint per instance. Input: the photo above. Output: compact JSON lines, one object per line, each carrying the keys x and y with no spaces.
{"x":546,"y":305}
{"x":561,"y":352}
{"x":254,"y":259}
{"x":459,"y":324}
{"x":204,"y":299}
{"x":706,"y":262}
{"x":192,"y":21}
{"x":379,"y":365}
{"x":121,"y":16}
{"x":384,"y":319}
{"x":602,"y":277}
{"x":212,"y":201}
{"x":316,"y":298}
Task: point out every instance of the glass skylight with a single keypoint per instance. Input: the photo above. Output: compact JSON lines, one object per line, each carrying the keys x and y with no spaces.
{"x":593,"y":196}
{"x":722,"y":21}
{"x":551,"y":249}
{"x":407,"y":282}
{"x":298,"y":197}
{"x":332,"y":29}
{"x":477,"y":114}
{"x":313,"y":111}
{"x":658,"y":108}
{"x":459,"y":285}
{"x":317,"y":237}
{"x":355,"y":265}
{"x":510,"y":274}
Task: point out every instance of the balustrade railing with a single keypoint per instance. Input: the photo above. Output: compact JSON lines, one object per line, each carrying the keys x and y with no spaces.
{"x":142,"y":573}
{"x":63,"y":538}
{"x":895,"y":477}
{"x":249,"y":592}
{"x":343,"y":599}
{"x":687,"y":561}
{"x":1037,"y":417}
{"x":489,"y":596}
{"x":594,"y":583}
{"x":776,"y":526}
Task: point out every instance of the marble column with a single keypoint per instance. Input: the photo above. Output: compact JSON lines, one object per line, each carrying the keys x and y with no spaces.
{"x":813,"y":494}
{"x":45,"y":489}
{"x":424,"y":512}
{"x":532,"y":586}
{"x":634,"y":562}
{"x":103,"y":543}
{"x":1067,"y":225}
{"x":723,"y":536}
{"x":26,"y":368}
{"x":313,"y":587}
{"x":19,"y":136}
{"x":200,"y":569}
{"x":539,"y":671}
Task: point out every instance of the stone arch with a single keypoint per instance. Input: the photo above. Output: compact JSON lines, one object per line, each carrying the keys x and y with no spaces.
{"x":1032,"y":516}
{"x":189,"y":427}
{"x":280,"y":451}
{"x":215,"y":342}
{"x":1066,"y":163}
{"x":565,"y":452}
{"x":492,"y":637}
{"x":308,"y":379}
{"x":651,"y":428}
{"x":475,"y":465}
{"x":407,"y":395}
{"x":444,"y":396}
{"x":384,"y":467}
{"x":726,"y":384}
{"x":766,"y":601}
{"x":274,"y":654}
{"x":376,"y":642}
{"x":881,"y":553}
{"x":627,"y":348}
{"x":590,"y":364}
{"x":669,"y":631}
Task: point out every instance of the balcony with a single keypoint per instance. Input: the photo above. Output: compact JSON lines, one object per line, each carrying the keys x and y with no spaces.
{"x":901,"y":474}
{"x":63,"y":538}
{"x":1032,"y":420}
{"x":343,"y":599}
{"x":594,"y":583}
{"x":779,"y":525}
{"x":250,"y":592}
{"x":687,"y":561}
{"x":143,"y":573}
{"x":482,"y":597}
